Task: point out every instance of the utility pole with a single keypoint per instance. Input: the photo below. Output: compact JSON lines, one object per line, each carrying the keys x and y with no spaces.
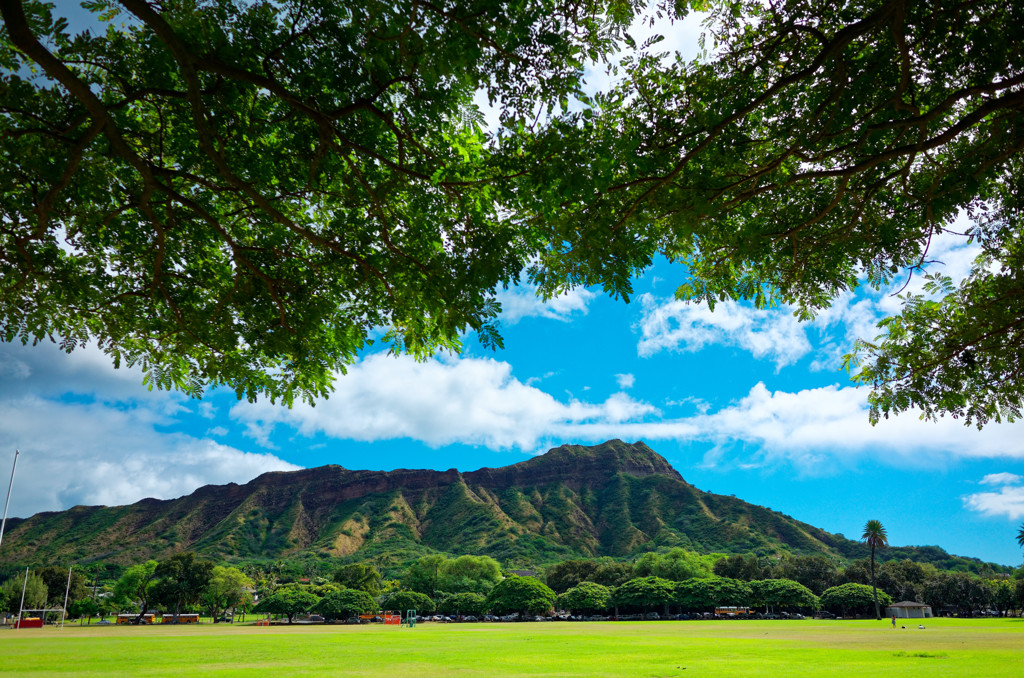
{"x":8,"y":502}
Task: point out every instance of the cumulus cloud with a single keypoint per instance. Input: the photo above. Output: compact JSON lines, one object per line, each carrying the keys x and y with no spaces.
{"x":625,"y":380}
{"x":668,"y":324}
{"x":1001,"y":479}
{"x":75,"y":453}
{"x":522,"y":302}
{"x":480,"y":402}
{"x":439,"y":402}
{"x":674,"y":325}
{"x":812,"y":430}
{"x":46,"y":369}
{"x":811,"y":425}
{"x":1008,"y":501}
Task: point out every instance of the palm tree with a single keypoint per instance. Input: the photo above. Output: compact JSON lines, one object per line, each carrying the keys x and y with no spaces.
{"x":875,"y":537}
{"x":1020,"y":536}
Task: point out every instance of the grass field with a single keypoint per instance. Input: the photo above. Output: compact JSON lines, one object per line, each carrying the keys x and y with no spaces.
{"x":983,"y":647}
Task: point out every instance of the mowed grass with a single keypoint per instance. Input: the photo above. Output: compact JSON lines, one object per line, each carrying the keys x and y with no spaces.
{"x":983,"y":647}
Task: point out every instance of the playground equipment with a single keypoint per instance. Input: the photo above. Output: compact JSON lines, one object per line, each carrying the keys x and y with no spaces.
{"x":410,"y":619}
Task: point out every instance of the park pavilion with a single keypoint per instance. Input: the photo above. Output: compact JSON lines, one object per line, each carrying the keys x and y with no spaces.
{"x":909,"y":610}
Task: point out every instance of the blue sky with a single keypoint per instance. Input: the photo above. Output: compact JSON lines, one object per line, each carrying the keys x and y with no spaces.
{"x":743,"y":402}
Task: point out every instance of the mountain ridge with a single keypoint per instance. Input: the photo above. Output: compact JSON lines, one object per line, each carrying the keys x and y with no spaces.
{"x":614,"y":499}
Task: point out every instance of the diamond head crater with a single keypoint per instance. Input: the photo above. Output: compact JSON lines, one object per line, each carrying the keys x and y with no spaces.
{"x":616,"y":500}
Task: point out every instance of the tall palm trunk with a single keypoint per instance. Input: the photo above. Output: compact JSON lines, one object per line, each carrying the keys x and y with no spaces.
{"x":874,"y":535}
{"x":874,"y":588}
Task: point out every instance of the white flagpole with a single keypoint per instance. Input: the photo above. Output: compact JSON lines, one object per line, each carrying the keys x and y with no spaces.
{"x":8,"y":502}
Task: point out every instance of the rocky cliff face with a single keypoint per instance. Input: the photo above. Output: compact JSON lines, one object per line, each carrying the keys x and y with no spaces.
{"x":613,"y":499}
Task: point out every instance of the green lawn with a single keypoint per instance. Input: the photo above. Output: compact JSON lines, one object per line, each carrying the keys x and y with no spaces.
{"x":983,"y":647}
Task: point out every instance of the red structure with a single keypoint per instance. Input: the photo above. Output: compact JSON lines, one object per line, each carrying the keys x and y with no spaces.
{"x":29,"y":623}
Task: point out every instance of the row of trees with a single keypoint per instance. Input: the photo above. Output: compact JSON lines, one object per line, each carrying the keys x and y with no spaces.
{"x":474,"y":585}
{"x":182,"y":582}
{"x":178,"y":584}
{"x":529,"y":596}
{"x":677,"y":579}
{"x":895,"y":579}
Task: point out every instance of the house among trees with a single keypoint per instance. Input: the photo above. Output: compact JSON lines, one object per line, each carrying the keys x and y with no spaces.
{"x":909,"y":610}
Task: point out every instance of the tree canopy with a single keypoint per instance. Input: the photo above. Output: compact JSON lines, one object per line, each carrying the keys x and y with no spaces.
{"x":520,"y":595}
{"x":345,"y":603}
{"x":241,"y":194}
{"x":644,"y":592}
{"x":292,"y":600}
{"x":402,"y":601}
{"x":586,"y":597}
{"x":704,"y":595}
{"x":359,"y":576}
{"x":783,"y":594}
{"x":228,"y":588}
{"x":181,"y":580}
{"x":461,"y":603}
{"x":850,"y":599}
{"x":136,"y":585}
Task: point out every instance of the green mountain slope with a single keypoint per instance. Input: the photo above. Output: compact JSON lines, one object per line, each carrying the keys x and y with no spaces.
{"x":613,"y":499}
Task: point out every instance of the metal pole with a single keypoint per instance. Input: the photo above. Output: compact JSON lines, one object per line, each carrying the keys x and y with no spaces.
{"x":21,"y":608}
{"x":67,"y":590}
{"x":8,"y":502}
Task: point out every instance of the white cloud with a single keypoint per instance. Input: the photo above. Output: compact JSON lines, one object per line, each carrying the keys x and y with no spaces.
{"x":812,"y":425}
{"x":1008,"y":502}
{"x":522,"y":302}
{"x":75,"y":453}
{"x":668,"y":324}
{"x":674,"y":325}
{"x":625,"y":380}
{"x":480,"y":402}
{"x":1001,"y":479}
{"x":471,"y":401}
{"x":45,"y":369}
{"x":812,"y":429}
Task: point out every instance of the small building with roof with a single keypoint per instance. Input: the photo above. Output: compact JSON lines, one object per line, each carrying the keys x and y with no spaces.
{"x":909,"y":609}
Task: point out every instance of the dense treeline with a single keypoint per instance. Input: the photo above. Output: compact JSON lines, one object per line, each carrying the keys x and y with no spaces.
{"x":673,"y":582}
